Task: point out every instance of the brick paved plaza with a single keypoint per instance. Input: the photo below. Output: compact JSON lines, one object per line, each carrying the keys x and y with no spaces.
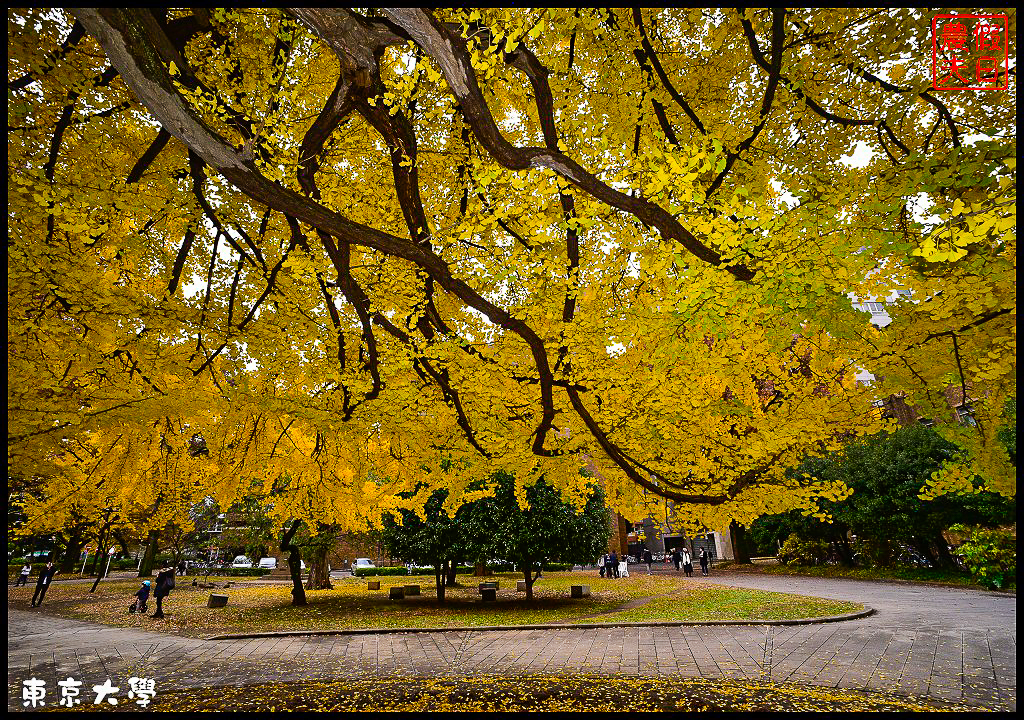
{"x":942,"y":643}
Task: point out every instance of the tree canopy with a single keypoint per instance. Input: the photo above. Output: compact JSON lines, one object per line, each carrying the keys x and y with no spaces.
{"x":308,"y":253}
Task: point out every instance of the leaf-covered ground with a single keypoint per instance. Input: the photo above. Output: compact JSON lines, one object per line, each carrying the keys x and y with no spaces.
{"x":261,"y":607}
{"x":544,"y":693}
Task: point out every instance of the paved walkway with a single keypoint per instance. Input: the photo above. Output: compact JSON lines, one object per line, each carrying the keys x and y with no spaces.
{"x":943,"y":643}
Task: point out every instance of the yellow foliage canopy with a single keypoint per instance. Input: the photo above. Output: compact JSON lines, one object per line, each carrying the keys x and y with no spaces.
{"x":351,"y":253}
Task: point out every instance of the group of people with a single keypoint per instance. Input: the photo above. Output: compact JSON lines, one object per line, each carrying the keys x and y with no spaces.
{"x":164,"y":585}
{"x":681,"y":558}
{"x":609,"y":563}
{"x":609,"y":566}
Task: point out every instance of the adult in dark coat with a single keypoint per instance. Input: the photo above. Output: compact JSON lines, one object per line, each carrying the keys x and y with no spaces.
{"x":703,"y":561}
{"x":676,"y":558}
{"x":648,"y":559}
{"x":613,"y":561}
{"x":43,"y":583}
{"x":164,"y":585}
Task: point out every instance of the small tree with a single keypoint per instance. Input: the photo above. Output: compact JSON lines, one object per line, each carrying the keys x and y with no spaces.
{"x":990,"y":555}
{"x":434,"y":539}
{"x":547,"y":529}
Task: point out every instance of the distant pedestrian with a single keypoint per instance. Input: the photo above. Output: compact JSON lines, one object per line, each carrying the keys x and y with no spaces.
{"x":648,"y":559}
{"x":164,"y":585}
{"x":604,"y":564}
{"x":43,"y":583}
{"x":23,"y":578}
{"x":677,"y":559}
{"x":704,"y":561}
{"x":687,"y":563}
{"x":613,"y":562}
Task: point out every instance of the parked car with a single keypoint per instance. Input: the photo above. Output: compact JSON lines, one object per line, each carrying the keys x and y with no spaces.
{"x":242,"y":562}
{"x":363,"y":563}
{"x":268,"y":563}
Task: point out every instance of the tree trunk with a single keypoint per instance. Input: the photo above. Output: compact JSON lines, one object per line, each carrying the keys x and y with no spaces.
{"x":527,"y":568}
{"x":480,"y":570}
{"x":737,"y":535}
{"x":844,"y":549}
{"x":440,"y":574}
{"x":101,"y":554}
{"x":942,"y":555}
{"x":453,"y":567}
{"x":294,"y":564}
{"x":101,"y":549}
{"x":146,"y":569}
{"x":69,"y":563}
{"x":319,"y":575}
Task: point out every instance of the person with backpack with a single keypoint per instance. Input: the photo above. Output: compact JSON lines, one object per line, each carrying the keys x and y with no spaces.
{"x":164,"y":585}
{"x":140,"y":598}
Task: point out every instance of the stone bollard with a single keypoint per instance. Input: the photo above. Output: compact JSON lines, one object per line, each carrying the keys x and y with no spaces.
{"x":373,"y":584}
{"x":488,"y":593}
{"x":396,"y":593}
{"x":579,"y":591}
{"x":217,"y":601}
{"x":412,"y":590}
{"x":521,"y":586}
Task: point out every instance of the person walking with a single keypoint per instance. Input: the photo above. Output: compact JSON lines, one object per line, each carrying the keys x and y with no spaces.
{"x":687,"y":563}
{"x":43,"y":583}
{"x":164,"y":585}
{"x":613,"y":562}
{"x":23,"y":578}
{"x":703,"y":561}
{"x":648,"y":559}
{"x":677,"y":559}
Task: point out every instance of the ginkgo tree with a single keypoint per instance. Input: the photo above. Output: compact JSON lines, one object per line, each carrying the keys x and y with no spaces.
{"x":347,"y":248}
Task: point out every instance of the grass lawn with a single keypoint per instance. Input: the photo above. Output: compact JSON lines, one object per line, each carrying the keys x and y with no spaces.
{"x":924,"y":575}
{"x":254,"y":607}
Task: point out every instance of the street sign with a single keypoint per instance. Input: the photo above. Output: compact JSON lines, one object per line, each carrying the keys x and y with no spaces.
{"x":111,"y":551}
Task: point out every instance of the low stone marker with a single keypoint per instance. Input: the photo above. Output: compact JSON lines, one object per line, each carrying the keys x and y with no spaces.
{"x":579,"y":591}
{"x":217,"y":601}
{"x":412,"y":590}
{"x":490,"y":584}
{"x":488,"y":593}
{"x":373,"y":584}
{"x":396,"y":592}
{"x":521,"y":586}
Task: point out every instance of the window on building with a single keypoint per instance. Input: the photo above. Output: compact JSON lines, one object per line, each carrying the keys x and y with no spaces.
{"x":875,"y":308}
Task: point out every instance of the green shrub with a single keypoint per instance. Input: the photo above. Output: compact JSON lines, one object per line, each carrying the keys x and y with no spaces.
{"x":370,"y":572}
{"x":875,"y":552}
{"x":990,"y":555}
{"x":796,"y":551}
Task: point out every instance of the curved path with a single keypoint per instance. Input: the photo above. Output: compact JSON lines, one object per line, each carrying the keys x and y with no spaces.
{"x":944,"y":643}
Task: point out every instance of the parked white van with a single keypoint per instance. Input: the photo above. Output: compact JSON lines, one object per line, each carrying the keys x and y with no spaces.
{"x":241,"y":562}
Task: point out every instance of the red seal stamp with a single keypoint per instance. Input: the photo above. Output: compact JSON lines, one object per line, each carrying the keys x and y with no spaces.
{"x":970,"y":52}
